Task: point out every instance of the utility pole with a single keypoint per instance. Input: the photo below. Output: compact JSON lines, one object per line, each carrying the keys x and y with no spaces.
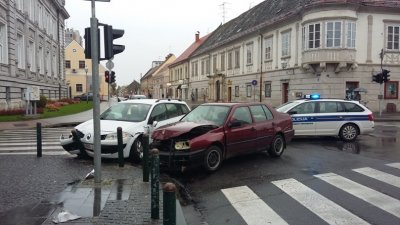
{"x":380,"y":85}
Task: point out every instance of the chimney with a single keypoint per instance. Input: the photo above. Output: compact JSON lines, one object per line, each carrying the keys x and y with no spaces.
{"x":197,"y":35}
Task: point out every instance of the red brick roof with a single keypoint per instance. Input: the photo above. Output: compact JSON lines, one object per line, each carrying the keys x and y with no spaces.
{"x":186,"y":54}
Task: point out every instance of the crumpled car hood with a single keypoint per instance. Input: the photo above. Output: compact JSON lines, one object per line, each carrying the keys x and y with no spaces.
{"x":179,"y":128}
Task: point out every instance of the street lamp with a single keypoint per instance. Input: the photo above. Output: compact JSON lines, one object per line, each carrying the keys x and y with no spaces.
{"x":87,"y":91}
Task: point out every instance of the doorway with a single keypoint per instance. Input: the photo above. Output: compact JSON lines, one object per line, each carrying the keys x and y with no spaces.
{"x":229,"y":94}
{"x":285,"y":92}
{"x":218,"y":90}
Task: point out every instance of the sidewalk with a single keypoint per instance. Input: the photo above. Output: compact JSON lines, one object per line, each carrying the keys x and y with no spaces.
{"x":121,"y":198}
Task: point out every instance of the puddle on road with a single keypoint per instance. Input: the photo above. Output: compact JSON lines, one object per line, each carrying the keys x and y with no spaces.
{"x":79,"y":198}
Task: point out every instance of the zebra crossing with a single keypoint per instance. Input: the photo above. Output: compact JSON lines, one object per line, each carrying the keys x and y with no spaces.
{"x":331,"y":210}
{"x":24,"y":142}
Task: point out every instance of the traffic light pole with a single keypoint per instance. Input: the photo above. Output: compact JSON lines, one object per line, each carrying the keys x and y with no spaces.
{"x":96,"y":100}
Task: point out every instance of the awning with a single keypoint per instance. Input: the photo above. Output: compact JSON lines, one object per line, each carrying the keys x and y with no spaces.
{"x":179,"y":86}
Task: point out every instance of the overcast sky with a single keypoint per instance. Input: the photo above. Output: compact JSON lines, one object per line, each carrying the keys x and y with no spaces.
{"x":153,"y":28}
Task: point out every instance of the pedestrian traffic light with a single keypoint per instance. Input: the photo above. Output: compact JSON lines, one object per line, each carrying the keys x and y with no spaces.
{"x":107,"y":76}
{"x":377,"y":78}
{"x":110,"y":49}
{"x":385,"y":75}
{"x":112,"y":80}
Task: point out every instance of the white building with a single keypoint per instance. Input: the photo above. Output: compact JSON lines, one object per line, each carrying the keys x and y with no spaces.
{"x":31,"y":49}
{"x":280,"y":50}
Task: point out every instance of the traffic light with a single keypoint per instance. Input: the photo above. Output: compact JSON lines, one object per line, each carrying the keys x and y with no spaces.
{"x":88,"y":43}
{"x":112,"y":79}
{"x":385,"y":75}
{"x":107,"y":76}
{"x":110,"y":49}
{"x":377,"y":78}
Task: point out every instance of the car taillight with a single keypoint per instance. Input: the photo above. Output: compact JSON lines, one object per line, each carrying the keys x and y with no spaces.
{"x":371,"y":117}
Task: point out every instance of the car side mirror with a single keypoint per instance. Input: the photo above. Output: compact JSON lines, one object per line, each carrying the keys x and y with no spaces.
{"x":154,"y":124}
{"x":235,"y":123}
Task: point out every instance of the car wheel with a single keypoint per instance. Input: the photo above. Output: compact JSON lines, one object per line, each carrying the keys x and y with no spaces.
{"x":136,"y":153}
{"x":212,"y":158}
{"x":348,"y":132}
{"x":277,"y":146}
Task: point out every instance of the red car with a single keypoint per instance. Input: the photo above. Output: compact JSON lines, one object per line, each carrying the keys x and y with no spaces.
{"x":213,"y":132}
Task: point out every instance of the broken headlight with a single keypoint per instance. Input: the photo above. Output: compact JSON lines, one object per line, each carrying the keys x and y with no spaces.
{"x":182,"y":145}
{"x":113,"y":136}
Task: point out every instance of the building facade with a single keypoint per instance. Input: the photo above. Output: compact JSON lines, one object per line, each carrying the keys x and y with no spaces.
{"x":280,"y":50}
{"x":31,"y":50}
{"x":78,"y":71}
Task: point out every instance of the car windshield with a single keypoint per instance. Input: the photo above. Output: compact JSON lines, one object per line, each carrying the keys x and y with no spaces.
{"x":212,"y":113}
{"x":285,"y":107}
{"x":133,"y":112}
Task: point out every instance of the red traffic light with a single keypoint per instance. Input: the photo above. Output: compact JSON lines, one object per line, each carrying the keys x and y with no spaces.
{"x":107,"y":76}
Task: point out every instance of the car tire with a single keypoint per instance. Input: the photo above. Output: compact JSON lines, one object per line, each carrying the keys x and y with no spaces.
{"x":136,"y":153}
{"x":348,"y":132}
{"x":212,"y":158}
{"x":277,"y":146}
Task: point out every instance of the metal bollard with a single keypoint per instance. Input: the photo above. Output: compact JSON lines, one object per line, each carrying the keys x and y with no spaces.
{"x":120,"y":148}
{"x":155,"y":184}
{"x":145,"y":160}
{"x":169,"y":204}
{"x":39,"y":139}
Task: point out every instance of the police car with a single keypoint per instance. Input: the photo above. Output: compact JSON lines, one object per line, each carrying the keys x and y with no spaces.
{"x":315,"y":116}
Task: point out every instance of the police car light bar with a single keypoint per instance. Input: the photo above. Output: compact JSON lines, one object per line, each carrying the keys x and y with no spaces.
{"x":312,"y":96}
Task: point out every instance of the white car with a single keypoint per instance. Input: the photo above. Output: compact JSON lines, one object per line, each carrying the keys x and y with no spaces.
{"x":132,"y":116}
{"x":314,"y":116}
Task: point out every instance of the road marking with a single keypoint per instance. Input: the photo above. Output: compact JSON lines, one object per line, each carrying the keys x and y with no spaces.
{"x":394,"y":165}
{"x":379,"y":175}
{"x":252,"y":209}
{"x":382,"y":201}
{"x":326,"y":209}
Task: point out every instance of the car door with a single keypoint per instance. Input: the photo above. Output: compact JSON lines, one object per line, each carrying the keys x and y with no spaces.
{"x":304,"y":118}
{"x":240,"y":134}
{"x":330,"y":118}
{"x":159,"y":114}
{"x":263,"y":125}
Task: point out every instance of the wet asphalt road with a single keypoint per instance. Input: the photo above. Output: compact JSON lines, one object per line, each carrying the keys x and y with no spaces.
{"x":304,"y":158}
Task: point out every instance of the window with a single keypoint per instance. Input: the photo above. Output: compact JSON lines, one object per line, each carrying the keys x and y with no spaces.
{"x":268,"y":113}
{"x":214,"y":63}
{"x":312,"y":36}
{"x":305,"y":108}
{"x":54,"y":59}
{"x":351,"y":107}
{"x":267,"y":89}
{"x":81,"y":64}
{"x":208,"y":69}
{"x":268,"y":48}
{"x":392,"y":90}
{"x":79,"y":88}
{"x":230,"y":60}
{"x":41,"y":60}
{"x":328,"y":107}
{"x":31,"y":55}
{"x":202,"y":67}
{"x":159,"y":113}
{"x":20,"y":4}
{"x":249,"y":55}
{"x":242,"y":115}
{"x":222,"y":61}
{"x":3,"y":43}
{"x":333,"y":34}
{"x":173,"y":110}
{"x":393,"y":33}
{"x":48,"y":62}
{"x":8,"y":94}
{"x":351,"y":35}
{"x":236,"y":91}
{"x":237,"y":58}
{"x":286,"y":44}
{"x":248,"y":90}
{"x":20,"y":51}
{"x":67,"y":64}
{"x":258,"y":113}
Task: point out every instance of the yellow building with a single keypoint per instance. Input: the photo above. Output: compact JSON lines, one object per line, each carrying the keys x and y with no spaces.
{"x":78,"y":72}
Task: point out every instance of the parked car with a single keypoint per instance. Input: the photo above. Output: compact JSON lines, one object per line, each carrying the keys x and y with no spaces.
{"x":84,"y":97}
{"x":213,"y":132}
{"x":132,"y":116}
{"x":315,"y":116}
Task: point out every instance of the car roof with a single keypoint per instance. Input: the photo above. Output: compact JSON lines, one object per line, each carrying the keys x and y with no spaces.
{"x":152,"y":101}
{"x":325,"y":100}
{"x":233,"y":103}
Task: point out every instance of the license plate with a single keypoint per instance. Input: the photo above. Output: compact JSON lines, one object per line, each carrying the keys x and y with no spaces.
{"x":88,"y":146}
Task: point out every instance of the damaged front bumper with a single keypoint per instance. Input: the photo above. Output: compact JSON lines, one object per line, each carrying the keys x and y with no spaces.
{"x":179,"y":160}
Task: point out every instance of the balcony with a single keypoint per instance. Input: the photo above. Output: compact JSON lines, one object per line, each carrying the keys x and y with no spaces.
{"x":342,"y":58}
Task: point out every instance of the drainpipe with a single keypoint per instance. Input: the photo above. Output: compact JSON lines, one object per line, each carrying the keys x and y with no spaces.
{"x":261,"y":64}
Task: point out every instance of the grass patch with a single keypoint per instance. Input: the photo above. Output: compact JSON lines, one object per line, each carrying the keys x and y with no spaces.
{"x":63,"y":111}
